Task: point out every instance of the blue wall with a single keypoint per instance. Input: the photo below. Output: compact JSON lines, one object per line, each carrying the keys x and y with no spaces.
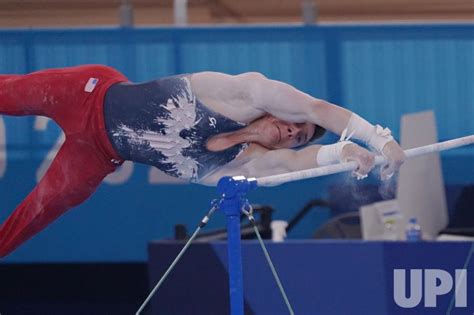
{"x":381,"y":72}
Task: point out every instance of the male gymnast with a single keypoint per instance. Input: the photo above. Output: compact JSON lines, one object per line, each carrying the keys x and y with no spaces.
{"x":198,"y":127}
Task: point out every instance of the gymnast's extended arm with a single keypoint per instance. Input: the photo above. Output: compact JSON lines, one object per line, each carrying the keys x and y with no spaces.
{"x":288,"y":103}
{"x":258,"y":161}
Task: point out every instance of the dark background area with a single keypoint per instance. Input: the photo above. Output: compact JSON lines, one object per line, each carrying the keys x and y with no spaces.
{"x":59,"y":289}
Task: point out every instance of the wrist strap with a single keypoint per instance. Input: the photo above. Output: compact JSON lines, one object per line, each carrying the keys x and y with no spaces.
{"x":330,"y":154}
{"x":374,"y":136}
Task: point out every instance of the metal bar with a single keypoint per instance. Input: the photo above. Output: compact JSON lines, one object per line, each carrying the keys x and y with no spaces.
{"x":275,"y":180}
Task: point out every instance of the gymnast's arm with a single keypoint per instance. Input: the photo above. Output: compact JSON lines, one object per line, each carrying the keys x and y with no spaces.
{"x":258,"y":161}
{"x":263,"y":95}
{"x":287,"y":103}
{"x":253,"y":92}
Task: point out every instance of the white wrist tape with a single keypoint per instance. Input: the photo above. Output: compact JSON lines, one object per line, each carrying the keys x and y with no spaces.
{"x":330,"y":154}
{"x":374,"y":136}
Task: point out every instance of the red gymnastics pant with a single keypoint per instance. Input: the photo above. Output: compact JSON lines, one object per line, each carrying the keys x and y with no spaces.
{"x":84,"y":159}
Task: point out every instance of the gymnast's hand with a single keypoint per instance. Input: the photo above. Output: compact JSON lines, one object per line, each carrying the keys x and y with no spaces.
{"x":364,"y":158}
{"x":395,"y":158}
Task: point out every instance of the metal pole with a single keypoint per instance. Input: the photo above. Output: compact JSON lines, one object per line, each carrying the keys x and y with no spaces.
{"x":309,"y":11}
{"x":233,"y":190}
{"x":126,"y":13}
{"x":180,"y":12}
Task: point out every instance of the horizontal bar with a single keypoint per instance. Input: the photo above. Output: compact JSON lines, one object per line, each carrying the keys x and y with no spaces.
{"x":279,"y":179}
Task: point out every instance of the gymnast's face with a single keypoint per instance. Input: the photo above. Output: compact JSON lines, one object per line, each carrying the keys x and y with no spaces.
{"x":278,"y":134}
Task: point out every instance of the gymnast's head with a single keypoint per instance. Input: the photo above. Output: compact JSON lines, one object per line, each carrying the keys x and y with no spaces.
{"x":274,"y":133}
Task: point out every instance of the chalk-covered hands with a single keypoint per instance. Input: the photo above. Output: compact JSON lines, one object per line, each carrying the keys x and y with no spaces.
{"x":346,"y":151}
{"x":378,"y":139}
{"x":364,"y":159}
{"x":395,"y":157}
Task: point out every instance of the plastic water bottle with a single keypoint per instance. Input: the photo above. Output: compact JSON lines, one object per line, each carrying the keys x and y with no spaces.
{"x":413,"y":231}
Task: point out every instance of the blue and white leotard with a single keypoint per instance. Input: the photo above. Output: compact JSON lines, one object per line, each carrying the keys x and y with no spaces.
{"x":162,"y":123}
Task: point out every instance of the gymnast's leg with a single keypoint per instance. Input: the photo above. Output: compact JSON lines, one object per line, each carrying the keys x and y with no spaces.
{"x":73,"y":176}
{"x":83,"y":160}
{"x":55,"y":93}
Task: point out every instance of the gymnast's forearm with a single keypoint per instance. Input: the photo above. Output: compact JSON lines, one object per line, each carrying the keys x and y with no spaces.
{"x":289,"y":104}
{"x":351,"y":126}
{"x":330,"y":116}
{"x":282,"y":161}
